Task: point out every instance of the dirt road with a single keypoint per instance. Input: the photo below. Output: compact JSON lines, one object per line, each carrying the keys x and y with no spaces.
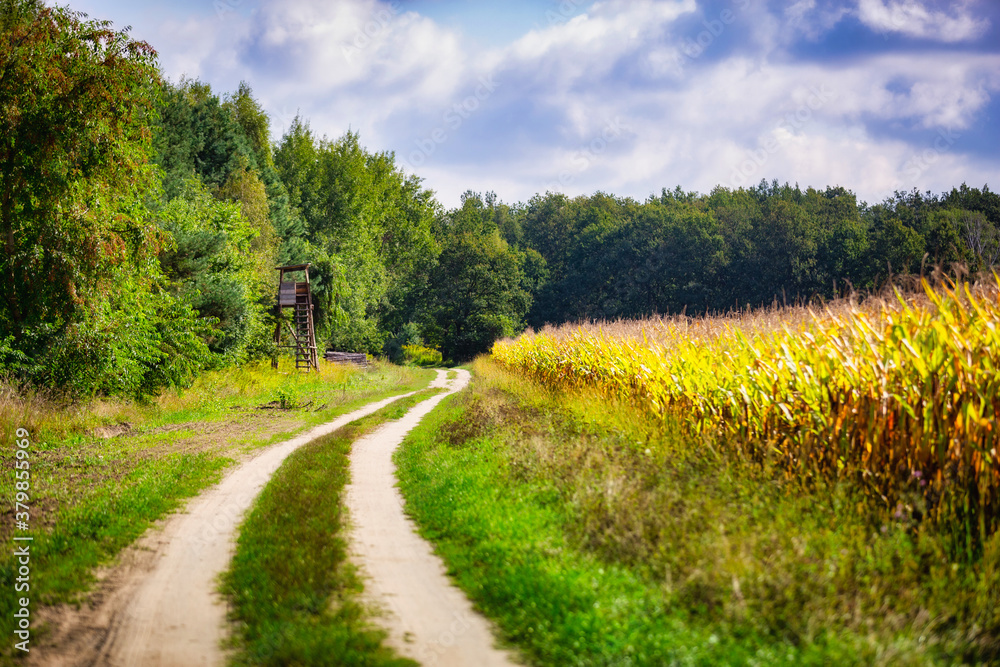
{"x":158,"y":607}
{"x":428,"y":618}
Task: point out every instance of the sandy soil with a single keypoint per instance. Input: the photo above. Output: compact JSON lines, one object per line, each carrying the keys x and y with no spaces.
{"x":428,"y":618}
{"x":158,"y":605}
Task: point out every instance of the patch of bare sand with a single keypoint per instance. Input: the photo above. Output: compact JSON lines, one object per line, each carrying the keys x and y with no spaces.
{"x":427,"y":617}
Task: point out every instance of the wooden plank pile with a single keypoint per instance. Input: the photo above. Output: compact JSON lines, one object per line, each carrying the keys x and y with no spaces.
{"x":359,"y":358}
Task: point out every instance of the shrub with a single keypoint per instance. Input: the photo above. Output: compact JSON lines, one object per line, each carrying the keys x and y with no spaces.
{"x":422,"y":356}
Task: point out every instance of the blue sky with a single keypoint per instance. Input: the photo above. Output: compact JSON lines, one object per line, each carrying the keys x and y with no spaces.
{"x":626,"y":97}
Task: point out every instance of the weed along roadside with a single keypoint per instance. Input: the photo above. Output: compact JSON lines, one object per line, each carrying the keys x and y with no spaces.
{"x":102,"y":473}
{"x":593,"y":531}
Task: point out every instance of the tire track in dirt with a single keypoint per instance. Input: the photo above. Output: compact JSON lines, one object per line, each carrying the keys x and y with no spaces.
{"x":428,"y":618}
{"x":158,"y":606}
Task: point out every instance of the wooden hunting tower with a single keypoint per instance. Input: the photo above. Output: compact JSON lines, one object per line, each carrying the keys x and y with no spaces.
{"x":296,"y":295}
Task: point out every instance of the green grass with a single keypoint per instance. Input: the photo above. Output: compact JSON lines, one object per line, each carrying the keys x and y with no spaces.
{"x":595,"y":535}
{"x":90,"y":497}
{"x":293,"y":594}
{"x":102,"y":523}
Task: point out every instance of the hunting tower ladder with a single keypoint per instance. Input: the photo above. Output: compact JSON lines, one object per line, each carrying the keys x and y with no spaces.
{"x":296,"y":296}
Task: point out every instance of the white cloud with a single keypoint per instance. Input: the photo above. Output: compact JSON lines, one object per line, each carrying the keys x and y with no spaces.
{"x":929,"y":89}
{"x":806,"y":18}
{"x":323,"y":46}
{"x":345,"y":64}
{"x":912,"y":18}
{"x":738,"y":122}
{"x":396,"y":76}
{"x":588,"y":46}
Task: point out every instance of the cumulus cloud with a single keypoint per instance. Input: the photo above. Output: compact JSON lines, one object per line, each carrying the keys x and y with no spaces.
{"x":927,"y":90}
{"x":814,"y":123}
{"x":914,"y":19}
{"x":343,"y":53}
{"x":807,"y":18}
{"x":604,"y":96}
{"x":588,"y":47}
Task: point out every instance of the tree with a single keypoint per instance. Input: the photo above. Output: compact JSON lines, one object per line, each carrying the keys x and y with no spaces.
{"x":737,"y":212}
{"x":255,"y":123}
{"x":841,"y":236}
{"x":679,"y":270}
{"x":245,"y":188}
{"x":195,"y":134}
{"x":942,"y":232}
{"x":478,"y":290}
{"x":895,"y":248}
{"x":75,"y":100}
{"x":982,"y":238}
{"x":210,"y":266}
{"x":368,"y":235}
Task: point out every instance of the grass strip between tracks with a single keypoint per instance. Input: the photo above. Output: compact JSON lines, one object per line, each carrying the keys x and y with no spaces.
{"x":294,"y":595}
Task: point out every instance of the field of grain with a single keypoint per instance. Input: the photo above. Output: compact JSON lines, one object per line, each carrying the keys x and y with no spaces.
{"x":899,"y":395}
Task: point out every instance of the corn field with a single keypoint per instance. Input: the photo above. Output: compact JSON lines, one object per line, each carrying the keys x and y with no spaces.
{"x":901,"y":397}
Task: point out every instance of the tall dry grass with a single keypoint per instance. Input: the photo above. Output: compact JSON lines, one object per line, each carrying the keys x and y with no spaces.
{"x":51,"y":416}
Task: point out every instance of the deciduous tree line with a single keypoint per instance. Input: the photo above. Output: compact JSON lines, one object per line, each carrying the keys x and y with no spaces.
{"x":610,"y":257}
{"x":142,"y":221}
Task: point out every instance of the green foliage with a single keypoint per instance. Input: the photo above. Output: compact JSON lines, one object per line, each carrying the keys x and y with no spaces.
{"x":660,"y":257}
{"x":255,"y":123}
{"x":196,"y":135}
{"x":211,"y":266}
{"x":221,"y":263}
{"x":227,"y":146}
{"x":75,"y":98}
{"x":131,"y":347}
{"x":477,"y":293}
{"x":367,"y":233}
{"x":74,"y":182}
{"x":896,"y":248}
{"x":11,"y":358}
{"x":245,"y":188}
{"x":288,"y":398}
{"x":608,"y":257}
{"x":422,"y":356}
{"x":408,"y":334}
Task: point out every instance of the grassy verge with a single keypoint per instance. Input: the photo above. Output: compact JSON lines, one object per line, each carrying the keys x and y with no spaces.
{"x":293,"y":594}
{"x":595,"y":535}
{"x":93,"y":492}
